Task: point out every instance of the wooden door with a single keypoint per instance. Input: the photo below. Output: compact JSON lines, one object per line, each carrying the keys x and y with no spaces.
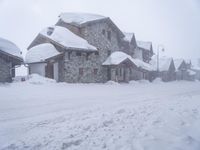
{"x":49,"y":71}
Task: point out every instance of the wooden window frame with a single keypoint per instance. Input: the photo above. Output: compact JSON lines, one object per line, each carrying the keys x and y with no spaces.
{"x":104,"y":32}
{"x":79,"y":54}
{"x":109,"y":34}
{"x":95,"y":71}
{"x":81,"y":71}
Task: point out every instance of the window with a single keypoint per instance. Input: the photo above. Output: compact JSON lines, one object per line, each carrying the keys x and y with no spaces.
{"x":95,"y":71}
{"x":116,"y":72}
{"x":80,"y":71}
{"x":87,"y":56}
{"x":96,"y":53}
{"x":50,"y":31}
{"x":78,"y":53}
{"x":103,"y":31}
{"x":69,"y":55}
{"x":109,"y":52}
{"x":120,"y":72}
{"x":109,"y":35}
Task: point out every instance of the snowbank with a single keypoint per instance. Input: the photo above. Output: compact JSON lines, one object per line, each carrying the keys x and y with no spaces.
{"x":157,"y":81}
{"x":112,"y":83}
{"x":141,"y":82}
{"x":37,"y":79}
{"x":85,"y":117}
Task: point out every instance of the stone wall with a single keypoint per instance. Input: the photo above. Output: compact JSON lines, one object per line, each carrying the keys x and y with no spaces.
{"x":82,"y":68}
{"x":5,"y":75}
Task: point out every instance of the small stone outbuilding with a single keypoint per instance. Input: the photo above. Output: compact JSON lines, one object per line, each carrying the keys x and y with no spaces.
{"x":10,"y":58}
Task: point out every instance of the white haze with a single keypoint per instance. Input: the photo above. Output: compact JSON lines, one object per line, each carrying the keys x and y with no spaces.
{"x":174,"y":24}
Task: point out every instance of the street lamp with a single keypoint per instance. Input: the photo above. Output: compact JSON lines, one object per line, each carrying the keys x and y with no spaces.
{"x":160,"y":47}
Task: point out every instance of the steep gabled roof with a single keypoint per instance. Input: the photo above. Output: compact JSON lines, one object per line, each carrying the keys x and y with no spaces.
{"x":41,"y":53}
{"x":82,"y":19}
{"x":178,"y":63}
{"x":164,"y":63}
{"x":145,"y":45}
{"x":128,"y":36}
{"x":66,"y":38}
{"x":10,"y":49}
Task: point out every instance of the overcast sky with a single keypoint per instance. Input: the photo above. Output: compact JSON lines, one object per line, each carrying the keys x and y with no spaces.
{"x":172,"y":23}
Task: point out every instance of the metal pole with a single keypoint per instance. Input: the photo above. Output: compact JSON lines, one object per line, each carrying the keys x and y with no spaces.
{"x":158,"y":59}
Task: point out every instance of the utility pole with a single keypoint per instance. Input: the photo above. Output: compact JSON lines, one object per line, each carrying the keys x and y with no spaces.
{"x":158,"y":58}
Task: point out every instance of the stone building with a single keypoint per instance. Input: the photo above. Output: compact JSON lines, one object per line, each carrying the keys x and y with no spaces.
{"x":10,"y":57}
{"x":85,"y":42}
{"x":165,"y":69}
{"x":142,"y":52}
{"x":197,"y":72}
{"x":147,"y":50}
{"x":181,"y":69}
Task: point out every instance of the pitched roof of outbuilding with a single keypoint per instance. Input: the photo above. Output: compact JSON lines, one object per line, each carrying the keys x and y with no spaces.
{"x":178,"y":63}
{"x":118,"y":57}
{"x":144,"y":45}
{"x":164,"y":63}
{"x":128,"y":36}
{"x":9,"y":48}
{"x":66,"y":38}
{"x":41,"y":53}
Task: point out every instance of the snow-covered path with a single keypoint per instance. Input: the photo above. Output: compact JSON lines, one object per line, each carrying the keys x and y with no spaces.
{"x":138,"y":116}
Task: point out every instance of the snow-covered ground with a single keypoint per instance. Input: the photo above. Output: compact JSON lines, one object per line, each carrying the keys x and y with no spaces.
{"x":137,"y":116}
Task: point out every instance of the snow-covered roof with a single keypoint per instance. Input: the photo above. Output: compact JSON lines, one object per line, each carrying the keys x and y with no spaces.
{"x":144,"y":45}
{"x":196,"y":68}
{"x":66,"y":38}
{"x":164,"y":63}
{"x":118,"y":57}
{"x":40,"y":53}
{"x":10,"y":48}
{"x":128,"y":36}
{"x":187,"y":61}
{"x":177,"y":63}
{"x":191,"y":72}
{"x":79,"y":18}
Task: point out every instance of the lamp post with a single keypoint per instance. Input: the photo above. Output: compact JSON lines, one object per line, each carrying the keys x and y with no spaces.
{"x":158,"y":54}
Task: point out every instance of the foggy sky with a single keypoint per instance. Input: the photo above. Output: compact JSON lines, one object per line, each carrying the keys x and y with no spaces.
{"x":172,"y":23}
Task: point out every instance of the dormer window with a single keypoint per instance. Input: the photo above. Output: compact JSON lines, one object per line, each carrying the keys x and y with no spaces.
{"x":50,"y":31}
{"x":109,"y":35}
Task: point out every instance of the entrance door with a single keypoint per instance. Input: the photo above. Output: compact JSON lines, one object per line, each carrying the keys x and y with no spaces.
{"x":49,"y":71}
{"x":109,"y":73}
